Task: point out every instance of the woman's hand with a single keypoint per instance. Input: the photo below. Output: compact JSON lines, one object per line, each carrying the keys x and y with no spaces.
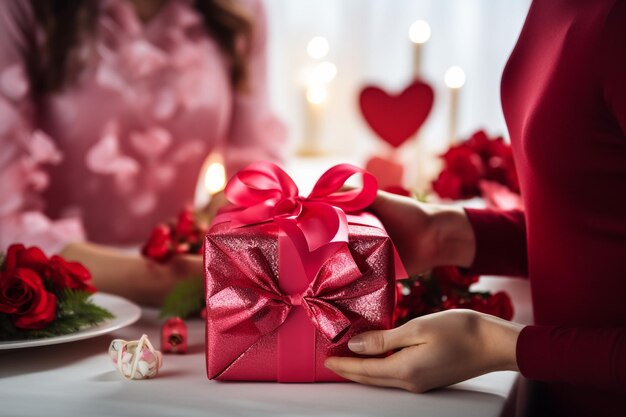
{"x":426,"y":235}
{"x":130,"y":275}
{"x":434,"y":351}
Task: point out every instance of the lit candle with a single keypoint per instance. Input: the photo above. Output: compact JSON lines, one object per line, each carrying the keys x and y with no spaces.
{"x":419,"y":33}
{"x":454,"y":79}
{"x":212,"y":179}
{"x":315,"y":95}
{"x":318,"y":47}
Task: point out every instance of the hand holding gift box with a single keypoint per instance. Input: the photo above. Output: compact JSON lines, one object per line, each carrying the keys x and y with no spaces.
{"x":290,"y":279}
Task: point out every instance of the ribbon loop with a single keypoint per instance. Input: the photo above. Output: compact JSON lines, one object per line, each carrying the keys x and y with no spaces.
{"x":264,"y":192}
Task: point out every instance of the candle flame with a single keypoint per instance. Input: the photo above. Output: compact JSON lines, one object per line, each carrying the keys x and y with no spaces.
{"x":454,"y":77}
{"x":419,"y":32}
{"x":215,"y":177}
{"x":318,"y":47}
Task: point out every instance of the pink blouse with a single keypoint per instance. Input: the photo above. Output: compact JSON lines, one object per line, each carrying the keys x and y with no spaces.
{"x":121,"y":149}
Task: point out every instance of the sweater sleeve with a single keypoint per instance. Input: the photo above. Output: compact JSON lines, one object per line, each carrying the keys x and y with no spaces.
{"x":581,"y":356}
{"x":612,"y":64}
{"x":26,"y":151}
{"x":255,"y":132}
{"x":500,"y":242}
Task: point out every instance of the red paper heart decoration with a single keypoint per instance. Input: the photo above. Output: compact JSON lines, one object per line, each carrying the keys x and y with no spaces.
{"x":396,"y":118}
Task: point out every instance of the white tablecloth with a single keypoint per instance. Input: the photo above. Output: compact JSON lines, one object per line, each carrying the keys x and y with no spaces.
{"x":78,"y":379}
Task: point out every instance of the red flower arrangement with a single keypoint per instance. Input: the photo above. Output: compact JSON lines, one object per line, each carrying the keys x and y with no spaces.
{"x":468,"y":164}
{"x":41,"y":297}
{"x":446,"y":288}
{"x":184,"y":235}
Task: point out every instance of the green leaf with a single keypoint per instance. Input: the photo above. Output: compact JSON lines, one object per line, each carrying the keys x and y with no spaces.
{"x":2,"y":258}
{"x":185,"y":299}
{"x":75,"y":311}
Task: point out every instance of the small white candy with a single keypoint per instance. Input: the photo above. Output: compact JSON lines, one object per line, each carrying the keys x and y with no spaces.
{"x":143,"y":367}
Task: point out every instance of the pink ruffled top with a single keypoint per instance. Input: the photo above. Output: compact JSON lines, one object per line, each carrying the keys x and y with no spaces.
{"x":121,"y":149}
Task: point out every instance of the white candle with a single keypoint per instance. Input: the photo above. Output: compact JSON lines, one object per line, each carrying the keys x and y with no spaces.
{"x":419,"y":33}
{"x":454,"y":79}
{"x":315,"y":97}
{"x":212,"y":179}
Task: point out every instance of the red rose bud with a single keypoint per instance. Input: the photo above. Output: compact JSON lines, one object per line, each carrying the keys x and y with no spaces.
{"x":447,"y":185}
{"x":465,"y":163}
{"x":23,"y":296}
{"x":159,"y":245}
{"x":174,"y":336}
{"x":478,"y":142}
{"x":20,"y":256}
{"x":185,"y":224}
{"x":71,"y":275}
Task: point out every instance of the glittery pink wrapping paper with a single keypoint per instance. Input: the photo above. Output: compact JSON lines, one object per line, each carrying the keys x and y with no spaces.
{"x":239,"y":257}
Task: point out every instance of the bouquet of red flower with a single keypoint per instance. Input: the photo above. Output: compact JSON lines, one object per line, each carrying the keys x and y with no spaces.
{"x":446,"y":288}
{"x":41,"y":297}
{"x":472,"y":162}
{"x":182,"y":236}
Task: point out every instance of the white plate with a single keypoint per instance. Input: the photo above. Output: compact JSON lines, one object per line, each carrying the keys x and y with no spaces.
{"x":125,"y":313}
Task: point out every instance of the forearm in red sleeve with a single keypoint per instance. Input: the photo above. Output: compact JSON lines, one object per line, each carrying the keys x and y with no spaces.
{"x":581,"y":356}
{"x":500,"y":242}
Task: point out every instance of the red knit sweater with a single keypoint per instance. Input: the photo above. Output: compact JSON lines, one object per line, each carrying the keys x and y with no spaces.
{"x":564,"y":99}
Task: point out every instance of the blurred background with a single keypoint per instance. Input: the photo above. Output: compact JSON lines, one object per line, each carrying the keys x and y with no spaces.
{"x":368,"y":43}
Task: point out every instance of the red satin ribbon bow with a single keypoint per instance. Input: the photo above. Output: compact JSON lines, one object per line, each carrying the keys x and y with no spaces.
{"x":265,"y":192}
{"x":336,"y":287}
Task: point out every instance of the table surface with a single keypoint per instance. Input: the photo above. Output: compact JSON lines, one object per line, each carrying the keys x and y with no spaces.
{"x":78,"y":378}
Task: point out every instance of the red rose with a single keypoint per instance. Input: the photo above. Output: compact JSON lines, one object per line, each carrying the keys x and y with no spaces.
{"x":159,"y":245}
{"x":463,"y":170}
{"x":448,"y":185}
{"x":20,"y":256}
{"x":465,"y":162}
{"x":185,"y":224}
{"x":23,"y":296}
{"x":71,"y":275}
{"x":500,"y":305}
{"x":452,"y":276}
{"x":479,"y":141}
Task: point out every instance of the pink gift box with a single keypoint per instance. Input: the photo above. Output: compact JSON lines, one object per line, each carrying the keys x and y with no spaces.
{"x":279,"y":302}
{"x":245,"y":265}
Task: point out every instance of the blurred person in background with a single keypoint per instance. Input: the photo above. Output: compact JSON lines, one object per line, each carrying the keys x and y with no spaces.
{"x":108,"y":110}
